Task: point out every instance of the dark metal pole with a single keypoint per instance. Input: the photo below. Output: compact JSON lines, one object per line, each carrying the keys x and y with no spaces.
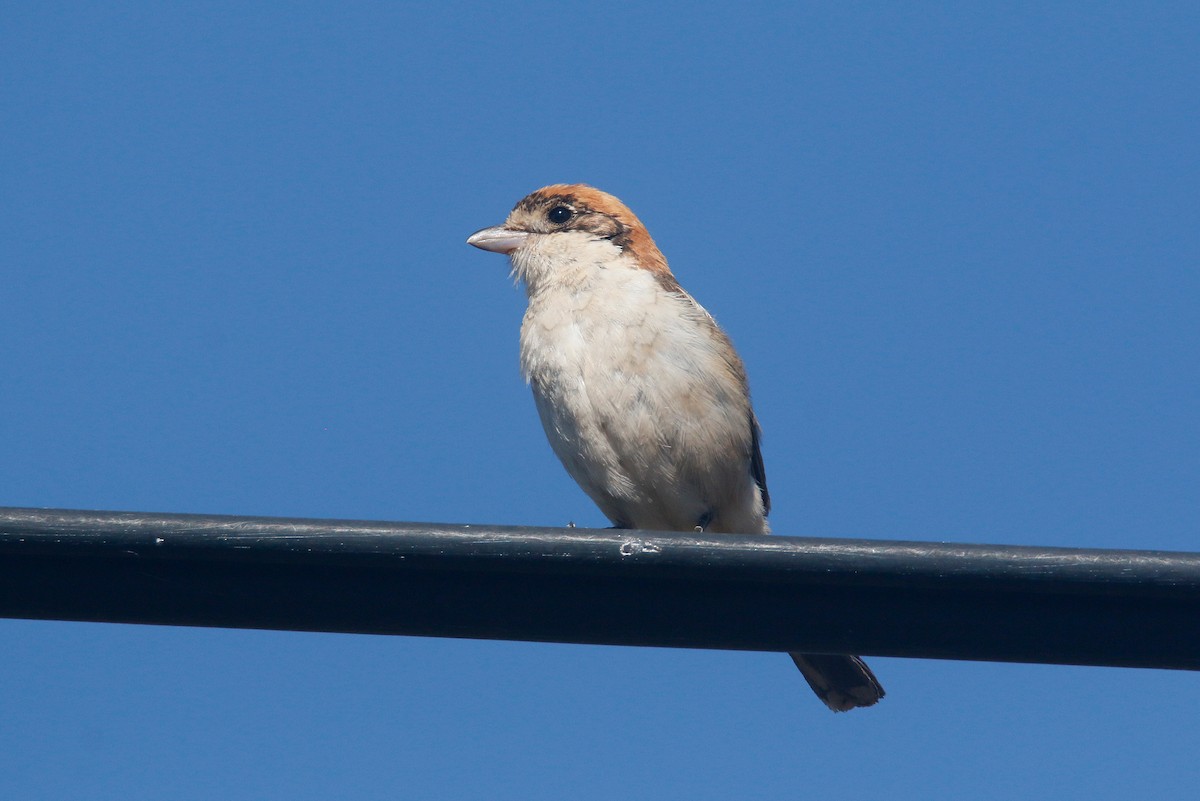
{"x":916,"y":599}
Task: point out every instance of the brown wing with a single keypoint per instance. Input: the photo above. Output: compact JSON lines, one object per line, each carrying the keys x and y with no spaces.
{"x":756,"y":464}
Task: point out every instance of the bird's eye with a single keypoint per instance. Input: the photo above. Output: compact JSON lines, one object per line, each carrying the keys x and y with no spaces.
{"x":560,"y":214}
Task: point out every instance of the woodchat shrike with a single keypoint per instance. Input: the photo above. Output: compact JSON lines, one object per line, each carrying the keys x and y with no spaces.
{"x":642,"y":395}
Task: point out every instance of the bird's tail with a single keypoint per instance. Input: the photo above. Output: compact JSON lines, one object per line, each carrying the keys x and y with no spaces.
{"x":843,"y":682}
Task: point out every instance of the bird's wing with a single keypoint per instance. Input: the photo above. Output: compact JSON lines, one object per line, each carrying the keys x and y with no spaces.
{"x":756,"y":464}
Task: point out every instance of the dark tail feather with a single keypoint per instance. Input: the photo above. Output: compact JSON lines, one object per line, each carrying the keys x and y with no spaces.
{"x":842,"y":682}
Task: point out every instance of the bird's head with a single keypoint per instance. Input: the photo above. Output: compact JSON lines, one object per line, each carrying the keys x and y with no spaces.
{"x":571,"y":226}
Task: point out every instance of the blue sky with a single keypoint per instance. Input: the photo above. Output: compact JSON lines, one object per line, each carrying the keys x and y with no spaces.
{"x":957,"y":247}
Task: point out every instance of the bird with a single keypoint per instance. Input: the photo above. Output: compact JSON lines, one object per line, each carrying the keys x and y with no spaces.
{"x":641,"y":394}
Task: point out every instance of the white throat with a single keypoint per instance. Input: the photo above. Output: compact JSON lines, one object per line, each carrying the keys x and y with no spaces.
{"x":567,"y":259}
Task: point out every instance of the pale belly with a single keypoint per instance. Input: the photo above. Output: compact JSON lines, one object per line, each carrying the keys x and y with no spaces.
{"x":645,"y":413}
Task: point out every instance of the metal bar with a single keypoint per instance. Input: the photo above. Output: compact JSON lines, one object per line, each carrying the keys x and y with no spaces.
{"x":914,"y":599}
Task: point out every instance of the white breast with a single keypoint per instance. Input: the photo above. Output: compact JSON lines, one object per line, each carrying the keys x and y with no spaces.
{"x":638,"y":395}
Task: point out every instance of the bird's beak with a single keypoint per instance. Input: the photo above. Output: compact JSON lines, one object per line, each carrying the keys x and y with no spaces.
{"x":498,"y":239}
